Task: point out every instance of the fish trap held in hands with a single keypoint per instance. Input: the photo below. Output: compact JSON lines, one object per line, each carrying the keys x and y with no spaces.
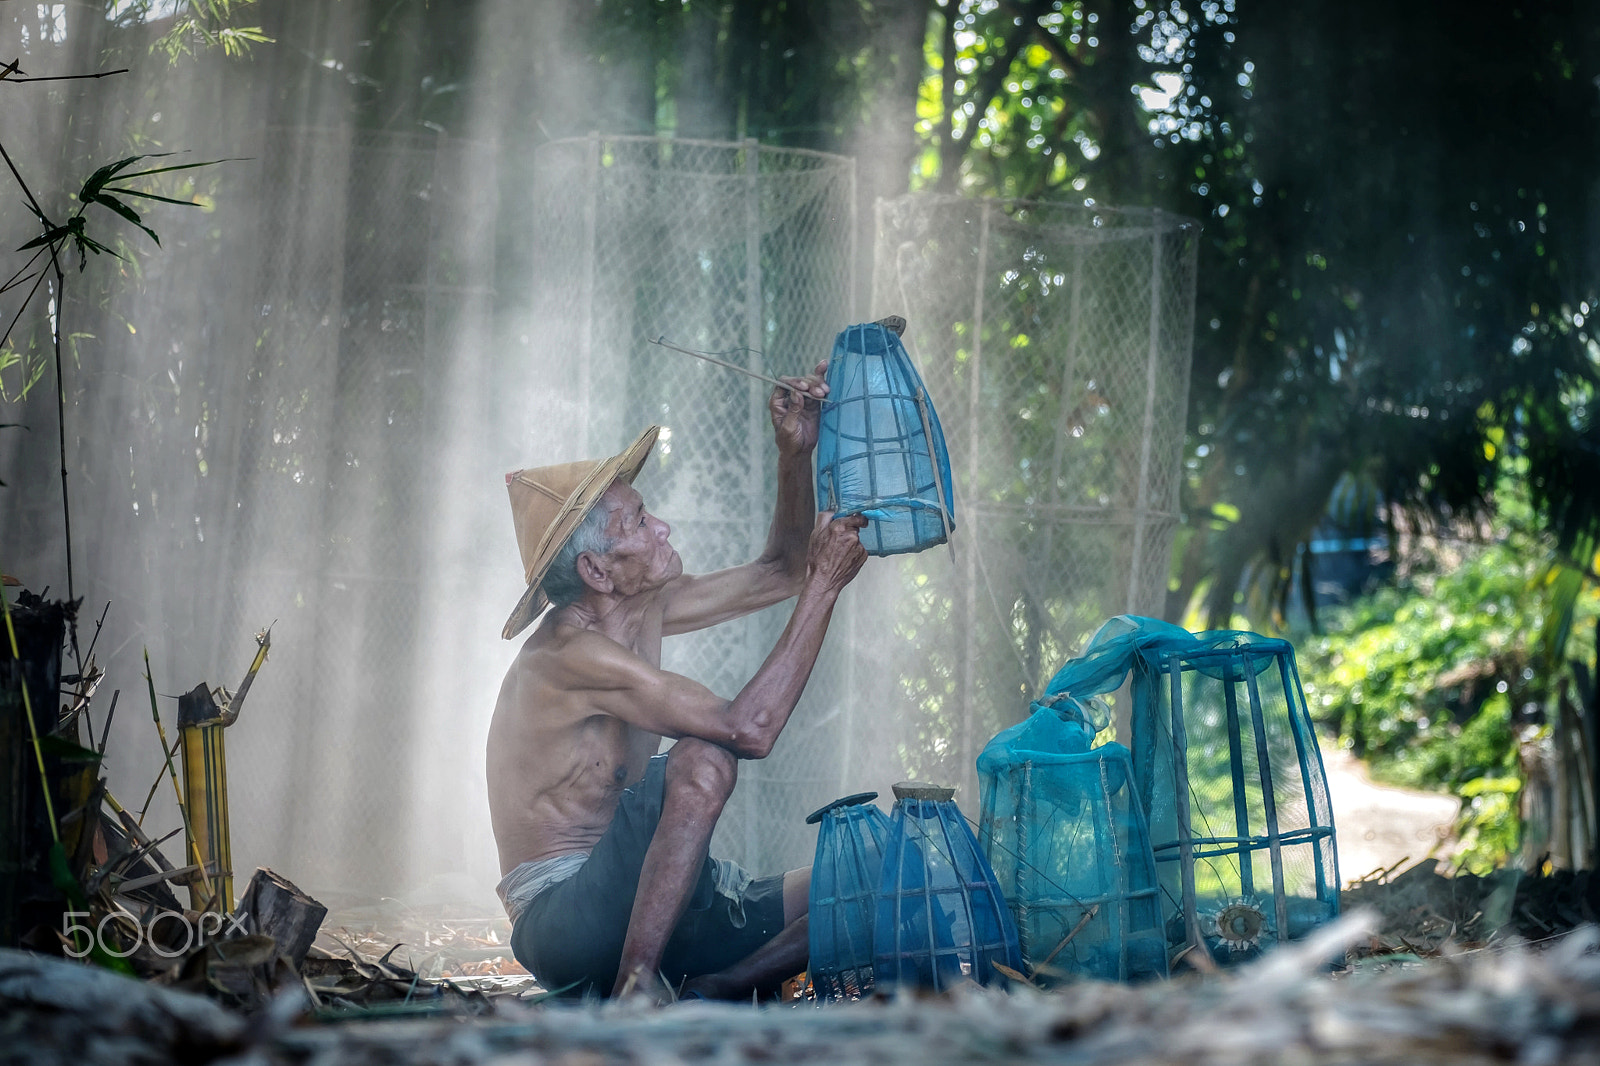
{"x":880,"y":449}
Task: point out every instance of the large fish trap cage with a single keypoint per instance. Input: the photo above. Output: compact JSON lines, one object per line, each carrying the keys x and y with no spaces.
{"x":1229,"y":771}
{"x":1056,"y":339}
{"x":1067,"y":839}
{"x":734,"y":248}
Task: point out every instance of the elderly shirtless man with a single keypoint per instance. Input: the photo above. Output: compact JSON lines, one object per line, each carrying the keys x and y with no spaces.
{"x":604,"y":843}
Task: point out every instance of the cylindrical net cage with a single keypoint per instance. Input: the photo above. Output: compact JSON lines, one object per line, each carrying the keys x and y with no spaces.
{"x":1055,"y":339}
{"x":1229,"y":770}
{"x":1070,"y":849}
{"x":732,"y":248}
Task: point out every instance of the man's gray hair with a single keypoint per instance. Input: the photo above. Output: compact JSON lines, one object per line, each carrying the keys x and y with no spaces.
{"x":561,"y":582}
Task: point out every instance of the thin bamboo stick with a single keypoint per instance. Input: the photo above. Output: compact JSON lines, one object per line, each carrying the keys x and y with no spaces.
{"x":708,"y":357}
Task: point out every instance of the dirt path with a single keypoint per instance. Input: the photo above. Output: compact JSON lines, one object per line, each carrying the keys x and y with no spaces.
{"x":1380,"y":826}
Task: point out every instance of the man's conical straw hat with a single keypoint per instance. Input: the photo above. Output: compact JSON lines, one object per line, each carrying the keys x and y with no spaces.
{"x":549,"y":502}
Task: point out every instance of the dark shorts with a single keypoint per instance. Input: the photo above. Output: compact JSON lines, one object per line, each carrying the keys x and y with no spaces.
{"x":570,"y":937}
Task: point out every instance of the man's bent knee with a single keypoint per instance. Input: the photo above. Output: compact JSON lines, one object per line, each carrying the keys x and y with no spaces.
{"x":702,"y":767}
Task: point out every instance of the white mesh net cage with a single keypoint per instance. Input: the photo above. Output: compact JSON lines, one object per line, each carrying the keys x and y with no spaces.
{"x":1055,"y":340}
{"x":732,"y":248}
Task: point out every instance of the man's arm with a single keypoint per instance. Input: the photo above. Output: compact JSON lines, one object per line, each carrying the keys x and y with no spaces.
{"x":625,"y":686}
{"x":696,"y":601}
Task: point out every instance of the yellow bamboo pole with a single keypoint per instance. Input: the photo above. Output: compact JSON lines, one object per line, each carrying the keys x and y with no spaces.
{"x":205,"y":778}
{"x":201,"y":901}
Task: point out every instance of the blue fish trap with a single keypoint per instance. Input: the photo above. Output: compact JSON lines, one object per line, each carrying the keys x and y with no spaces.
{"x":880,"y":449}
{"x":941,"y":918}
{"x":844,"y":894}
{"x":1227,"y":771}
{"x":1068,"y":842}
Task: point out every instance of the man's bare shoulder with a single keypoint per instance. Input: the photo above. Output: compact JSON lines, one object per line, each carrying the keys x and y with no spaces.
{"x":562,"y":659}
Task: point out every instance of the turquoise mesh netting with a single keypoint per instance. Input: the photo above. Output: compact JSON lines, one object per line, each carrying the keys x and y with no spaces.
{"x":1227,"y":770}
{"x":1069,"y":846}
{"x":843,"y":898}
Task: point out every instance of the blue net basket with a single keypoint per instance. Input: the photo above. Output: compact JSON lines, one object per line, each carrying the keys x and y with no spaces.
{"x":1228,"y":773}
{"x":851,"y":836}
{"x":1068,"y":843}
{"x":941,"y":918}
{"x":880,"y":449}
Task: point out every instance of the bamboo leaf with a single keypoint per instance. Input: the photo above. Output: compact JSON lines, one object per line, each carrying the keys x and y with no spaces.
{"x":50,"y":236}
{"x":128,"y":213}
{"x":150,"y":196}
{"x":1566,"y":584}
{"x":97,"y":180}
{"x":65,"y":750}
{"x":181,"y":166}
{"x":120,"y":208}
{"x":84,"y":241}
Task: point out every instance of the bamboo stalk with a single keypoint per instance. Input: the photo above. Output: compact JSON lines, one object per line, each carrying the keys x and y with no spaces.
{"x":177,"y":790}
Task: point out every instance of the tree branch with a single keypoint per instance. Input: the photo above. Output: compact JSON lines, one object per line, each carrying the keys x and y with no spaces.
{"x":37,"y":210}
{"x":949,"y":150}
{"x":71,"y":77}
{"x":25,"y":302}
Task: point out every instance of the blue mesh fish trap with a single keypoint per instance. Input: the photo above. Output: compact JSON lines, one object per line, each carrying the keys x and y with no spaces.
{"x":1068,"y":843}
{"x":941,"y":918}
{"x":880,"y":449}
{"x":851,"y":834}
{"x":1227,"y":770}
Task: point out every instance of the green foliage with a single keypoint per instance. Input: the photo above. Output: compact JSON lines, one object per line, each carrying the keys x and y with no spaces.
{"x":1438,"y":680}
{"x":1364,"y":324}
{"x":198,"y":25}
{"x":29,"y":366}
{"x":102,"y":187}
{"x":98,"y":190}
{"x":1489,"y":826}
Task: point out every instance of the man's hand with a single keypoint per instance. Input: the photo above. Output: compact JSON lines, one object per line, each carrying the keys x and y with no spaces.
{"x":795,"y":410}
{"x":836,"y":553}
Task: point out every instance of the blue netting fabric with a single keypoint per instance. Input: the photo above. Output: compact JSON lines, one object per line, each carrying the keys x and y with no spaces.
{"x":1069,"y":846}
{"x":880,"y":449}
{"x":1227,"y":771}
